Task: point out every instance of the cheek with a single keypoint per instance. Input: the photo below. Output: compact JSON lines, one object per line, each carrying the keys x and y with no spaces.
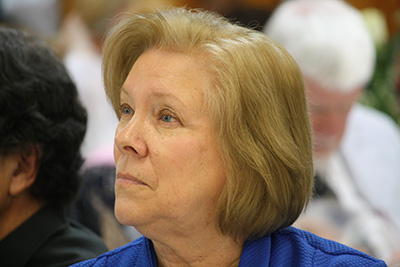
{"x":5,"y":197}
{"x":194,"y":163}
{"x":317,"y":122}
{"x":189,"y":157}
{"x":117,"y":154}
{"x":205,"y":165}
{"x":341,"y":127}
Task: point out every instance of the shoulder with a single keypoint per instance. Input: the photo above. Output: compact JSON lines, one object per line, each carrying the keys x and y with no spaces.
{"x":371,"y":136}
{"x":362,"y":117}
{"x":71,"y":244}
{"x":119,"y":256}
{"x":83,"y":237}
{"x":371,"y":146}
{"x":49,"y":239}
{"x":302,"y":247}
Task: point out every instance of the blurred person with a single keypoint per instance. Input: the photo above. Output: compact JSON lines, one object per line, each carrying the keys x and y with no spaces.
{"x":213,"y":148}
{"x":356,"y":148}
{"x":81,"y":42}
{"x":42,"y":125}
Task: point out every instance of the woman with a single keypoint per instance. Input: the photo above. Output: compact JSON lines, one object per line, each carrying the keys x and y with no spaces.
{"x":213,"y":148}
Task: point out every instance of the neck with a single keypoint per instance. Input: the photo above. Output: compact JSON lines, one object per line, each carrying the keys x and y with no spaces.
{"x":17,"y":211}
{"x":198,"y":250}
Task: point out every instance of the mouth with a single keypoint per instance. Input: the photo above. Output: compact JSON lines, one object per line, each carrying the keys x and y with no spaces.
{"x":127,"y":179}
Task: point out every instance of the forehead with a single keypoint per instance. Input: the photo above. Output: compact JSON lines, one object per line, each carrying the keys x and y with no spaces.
{"x":165,"y":73}
{"x":321,"y":95}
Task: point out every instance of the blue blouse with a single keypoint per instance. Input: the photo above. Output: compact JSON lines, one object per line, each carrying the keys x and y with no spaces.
{"x":285,"y":247}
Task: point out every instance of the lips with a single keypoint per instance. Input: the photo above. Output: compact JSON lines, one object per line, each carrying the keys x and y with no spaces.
{"x":128,"y":179}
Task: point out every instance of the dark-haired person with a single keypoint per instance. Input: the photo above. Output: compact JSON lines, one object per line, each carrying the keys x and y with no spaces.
{"x":42,"y":125}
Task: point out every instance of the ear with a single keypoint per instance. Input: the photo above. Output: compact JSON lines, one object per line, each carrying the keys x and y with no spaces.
{"x":25,"y":171}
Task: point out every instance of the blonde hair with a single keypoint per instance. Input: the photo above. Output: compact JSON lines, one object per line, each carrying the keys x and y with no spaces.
{"x":257,"y":107}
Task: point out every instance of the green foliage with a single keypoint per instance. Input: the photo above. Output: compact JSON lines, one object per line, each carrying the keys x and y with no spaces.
{"x":381,"y":91}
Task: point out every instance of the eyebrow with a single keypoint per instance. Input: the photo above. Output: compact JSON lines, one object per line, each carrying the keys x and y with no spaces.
{"x":160,"y":93}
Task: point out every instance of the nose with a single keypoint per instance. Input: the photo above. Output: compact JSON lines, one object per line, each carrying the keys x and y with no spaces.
{"x":130,"y":138}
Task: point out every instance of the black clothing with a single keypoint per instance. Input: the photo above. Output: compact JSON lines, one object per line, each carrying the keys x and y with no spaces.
{"x":321,"y":188}
{"x":50,"y":239}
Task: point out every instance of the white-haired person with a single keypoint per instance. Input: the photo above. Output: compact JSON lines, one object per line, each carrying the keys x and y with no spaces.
{"x":213,"y":148}
{"x":356,"y":148}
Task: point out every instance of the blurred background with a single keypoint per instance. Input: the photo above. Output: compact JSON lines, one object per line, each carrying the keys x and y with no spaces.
{"x":76,"y":29}
{"x":68,"y":23}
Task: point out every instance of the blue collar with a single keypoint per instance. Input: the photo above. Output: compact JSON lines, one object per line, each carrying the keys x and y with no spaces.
{"x":255,"y":253}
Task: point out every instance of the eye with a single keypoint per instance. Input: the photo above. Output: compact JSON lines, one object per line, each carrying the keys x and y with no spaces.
{"x":166,"y":118}
{"x":126,"y":110}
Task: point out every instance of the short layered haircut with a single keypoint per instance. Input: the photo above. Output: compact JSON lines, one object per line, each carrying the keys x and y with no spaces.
{"x":256,"y":105}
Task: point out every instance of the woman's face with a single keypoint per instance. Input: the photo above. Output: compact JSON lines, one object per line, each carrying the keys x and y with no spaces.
{"x":169,"y":171}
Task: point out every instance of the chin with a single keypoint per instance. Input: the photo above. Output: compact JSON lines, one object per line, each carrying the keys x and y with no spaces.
{"x":124,"y":212}
{"x":322,"y":155}
{"x":129,"y":213}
